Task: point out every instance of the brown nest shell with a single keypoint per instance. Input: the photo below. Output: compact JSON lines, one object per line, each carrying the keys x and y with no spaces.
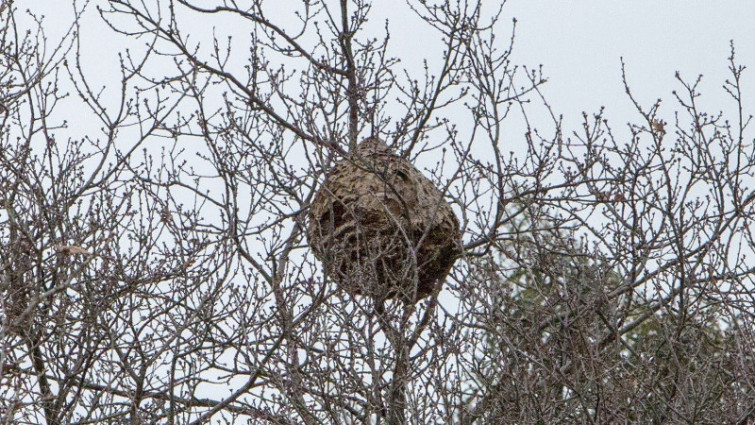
{"x":381,"y":228}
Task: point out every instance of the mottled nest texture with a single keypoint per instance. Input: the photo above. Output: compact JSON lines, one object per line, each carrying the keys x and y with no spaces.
{"x":381,"y":228}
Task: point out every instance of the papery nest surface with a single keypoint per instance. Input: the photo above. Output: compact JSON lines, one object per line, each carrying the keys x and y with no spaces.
{"x":381,"y":228}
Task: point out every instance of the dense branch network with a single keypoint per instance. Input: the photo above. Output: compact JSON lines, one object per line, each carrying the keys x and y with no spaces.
{"x":154,"y":259}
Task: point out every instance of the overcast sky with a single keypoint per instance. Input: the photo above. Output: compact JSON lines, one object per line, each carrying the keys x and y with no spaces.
{"x":579,"y":42}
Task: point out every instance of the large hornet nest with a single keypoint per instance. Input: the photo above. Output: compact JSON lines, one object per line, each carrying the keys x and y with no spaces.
{"x":381,"y":228}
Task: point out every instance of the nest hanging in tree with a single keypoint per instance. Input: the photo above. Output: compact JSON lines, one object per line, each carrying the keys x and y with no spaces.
{"x":381,"y":228}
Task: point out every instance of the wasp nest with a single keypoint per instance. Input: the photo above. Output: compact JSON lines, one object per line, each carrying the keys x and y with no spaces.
{"x":381,"y":228}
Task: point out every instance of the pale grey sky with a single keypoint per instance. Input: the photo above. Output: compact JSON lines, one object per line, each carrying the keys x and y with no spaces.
{"x":579,"y":42}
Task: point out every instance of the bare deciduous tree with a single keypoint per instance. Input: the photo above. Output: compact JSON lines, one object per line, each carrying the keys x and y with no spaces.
{"x":154,"y":265}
